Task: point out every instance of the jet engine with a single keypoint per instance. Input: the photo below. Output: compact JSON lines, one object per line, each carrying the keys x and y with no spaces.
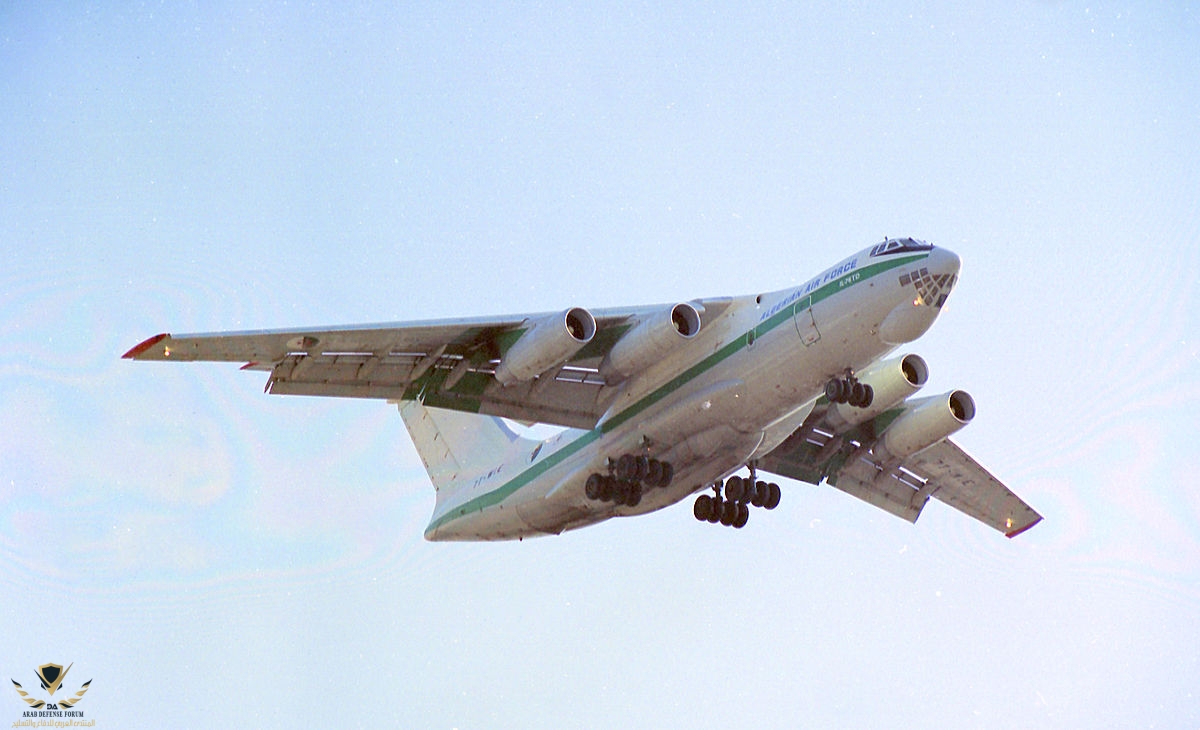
{"x":892,"y":380}
{"x":650,"y":340}
{"x":548,"y":342}
{"x":924,"y":423}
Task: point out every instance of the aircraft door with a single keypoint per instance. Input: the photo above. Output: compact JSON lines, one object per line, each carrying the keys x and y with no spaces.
{"x":806,"y":322}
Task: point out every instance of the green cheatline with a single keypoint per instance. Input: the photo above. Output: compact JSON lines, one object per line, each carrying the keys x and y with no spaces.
{"x":499,"y":494}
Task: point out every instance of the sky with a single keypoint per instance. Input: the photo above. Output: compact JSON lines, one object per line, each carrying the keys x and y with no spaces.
{"x":210,"y":556}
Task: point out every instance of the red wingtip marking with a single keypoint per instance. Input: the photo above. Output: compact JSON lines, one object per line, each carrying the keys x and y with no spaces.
{"x":139,"y":349}
{"x":250,"y":365}
{"x":1014,"y":533}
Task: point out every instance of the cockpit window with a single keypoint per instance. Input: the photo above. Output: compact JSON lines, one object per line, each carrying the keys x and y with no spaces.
{"x":898,"y":245}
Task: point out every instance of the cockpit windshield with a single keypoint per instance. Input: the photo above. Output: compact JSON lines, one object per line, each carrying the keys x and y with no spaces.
{"x":900,"y":245}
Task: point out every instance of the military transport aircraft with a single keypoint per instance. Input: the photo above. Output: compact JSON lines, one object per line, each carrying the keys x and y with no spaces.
{"x":660,"y":402}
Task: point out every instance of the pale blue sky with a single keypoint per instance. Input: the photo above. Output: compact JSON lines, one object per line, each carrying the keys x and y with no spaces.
{"x":211,"y":556}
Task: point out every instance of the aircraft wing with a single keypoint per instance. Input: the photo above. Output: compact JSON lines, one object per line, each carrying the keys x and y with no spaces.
{"x":446,"y":363}
{"x":943,"y":471}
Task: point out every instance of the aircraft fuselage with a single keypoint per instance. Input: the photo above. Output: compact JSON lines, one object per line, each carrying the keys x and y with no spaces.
{"x":716,"y":402}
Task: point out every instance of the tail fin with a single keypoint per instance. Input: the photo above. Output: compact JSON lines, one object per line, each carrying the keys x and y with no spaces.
{"x":453,"y":444}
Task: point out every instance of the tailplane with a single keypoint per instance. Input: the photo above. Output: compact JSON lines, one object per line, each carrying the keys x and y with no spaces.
{"x":454,"y":445}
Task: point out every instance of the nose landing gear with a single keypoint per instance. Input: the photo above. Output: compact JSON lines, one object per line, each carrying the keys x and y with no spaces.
{"x":848,"y":390}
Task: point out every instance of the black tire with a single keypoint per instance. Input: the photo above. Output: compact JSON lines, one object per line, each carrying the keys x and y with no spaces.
{"x":775,"y":495}
{"x":759,"y":496}
{"x":729,"y":512}
{"x":703,"y":507}
{"x":592,"y":488}
{"x":834,"y":391}
{"x":858,"y":395}
{"x":607,"y":487}
{"x":641,"y":467}
{"x":743,"y":516}
{"x":653,"y":473}
{"x":633,"y":497}
{"x":718,"y":509}
{"x":668,"y":472}
{"x":868,"y":397}
{"x":626,"y":466}
{"x":735,"y":489}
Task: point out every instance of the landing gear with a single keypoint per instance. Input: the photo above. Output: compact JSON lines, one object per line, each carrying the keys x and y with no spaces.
{"x":848,"y":390}
{"x":733,"y":510}
{"x":628,"y":479}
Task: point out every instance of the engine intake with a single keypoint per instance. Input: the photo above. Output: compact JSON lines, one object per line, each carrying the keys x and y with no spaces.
{"x":650,"y":340}
{"x":548,"y":342}
{"x":924,"y":423}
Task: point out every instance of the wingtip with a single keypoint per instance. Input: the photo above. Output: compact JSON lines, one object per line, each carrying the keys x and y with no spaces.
{"x":1014,"y":533}
{"x":143,"y":346}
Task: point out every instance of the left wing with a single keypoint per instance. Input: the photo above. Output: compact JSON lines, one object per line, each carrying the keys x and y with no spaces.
{"x":943,"y":471}
{"x":447,"y":363}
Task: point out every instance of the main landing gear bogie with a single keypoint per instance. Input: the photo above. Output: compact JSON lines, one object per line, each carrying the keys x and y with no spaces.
{"x":733,"y":510}
{"x":850,"y":391}
{"x":630,"y":477}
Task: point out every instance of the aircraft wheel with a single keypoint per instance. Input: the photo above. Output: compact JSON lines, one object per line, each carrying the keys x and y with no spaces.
{"x":641,"y":468}
{"x":653,"y":473}
{"x":868,"y":396}
{"x":743,"y":516}
{"x":703,"y":507}
{"x":729,"y":512}
{"x":607,"y":487}
{"x":858,"y":395}
{"x":758,"y":494}
{"x":593,"y":488}
{"x":633,"y":496}
{"x":626,"y":466}
{"x":835,"y":391}
{"x":718,"y":509}
{"x":773,"y":497}
{"x":668,"y":472}
{"x":735,"y":489}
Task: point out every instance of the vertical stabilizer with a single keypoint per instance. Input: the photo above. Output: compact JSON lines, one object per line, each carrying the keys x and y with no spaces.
{"x":453,"y":444}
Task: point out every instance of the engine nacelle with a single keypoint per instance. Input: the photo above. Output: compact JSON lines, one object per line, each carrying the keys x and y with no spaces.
{"x":650,"y":340}
{"x":892,"y":380}
{"x":924,"y":423}
{"x":549,"y":342}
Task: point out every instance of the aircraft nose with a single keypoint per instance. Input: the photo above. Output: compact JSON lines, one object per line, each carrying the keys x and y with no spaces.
{"x":937,"y":278}
{"x":945,"y":261}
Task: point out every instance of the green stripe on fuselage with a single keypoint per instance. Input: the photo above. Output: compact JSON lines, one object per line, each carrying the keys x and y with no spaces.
{"x":505,"y":490}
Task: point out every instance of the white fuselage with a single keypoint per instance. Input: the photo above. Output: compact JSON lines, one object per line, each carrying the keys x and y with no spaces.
{"x":718,"y":401}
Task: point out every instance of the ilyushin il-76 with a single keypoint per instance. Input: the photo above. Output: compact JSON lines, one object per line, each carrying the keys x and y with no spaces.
{"x":657,"y":404}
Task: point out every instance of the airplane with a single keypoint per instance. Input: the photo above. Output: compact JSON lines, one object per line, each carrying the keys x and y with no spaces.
{"x":658,"y":403}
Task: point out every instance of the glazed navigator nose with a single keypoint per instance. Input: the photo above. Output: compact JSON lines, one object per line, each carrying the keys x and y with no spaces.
{"x":936,"y":278}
